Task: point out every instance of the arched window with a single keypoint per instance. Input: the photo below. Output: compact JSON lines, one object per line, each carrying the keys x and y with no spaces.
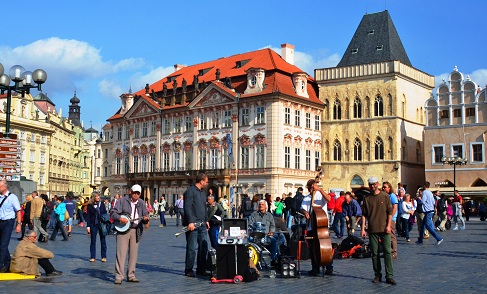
{"x":357,"y":150}
{"x":357,"y":181}
{"x":337,"y":110}
{"x":357,"y":108}
{"x":378,"y":106}
{"x":379,"y":149}
{"x":337,"y":151}
{"x":404,"y":150}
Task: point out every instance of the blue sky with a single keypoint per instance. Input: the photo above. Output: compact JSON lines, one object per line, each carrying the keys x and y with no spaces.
{"x":101,"y":48}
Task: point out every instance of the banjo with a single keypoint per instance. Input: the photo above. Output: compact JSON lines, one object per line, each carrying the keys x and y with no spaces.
{"x":121,"y":227}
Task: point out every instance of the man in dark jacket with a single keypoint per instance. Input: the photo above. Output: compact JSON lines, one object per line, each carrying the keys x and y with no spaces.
{"x":196,"y":237}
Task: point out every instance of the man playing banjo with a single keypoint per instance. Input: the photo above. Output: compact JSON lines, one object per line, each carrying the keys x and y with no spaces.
{"x":129,"y":209}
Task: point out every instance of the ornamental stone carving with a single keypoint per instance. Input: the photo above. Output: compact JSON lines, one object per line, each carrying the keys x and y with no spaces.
{"x":255,"y":80}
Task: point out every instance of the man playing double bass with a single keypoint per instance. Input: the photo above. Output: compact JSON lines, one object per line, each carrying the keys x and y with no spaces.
{"x":321,"y":198}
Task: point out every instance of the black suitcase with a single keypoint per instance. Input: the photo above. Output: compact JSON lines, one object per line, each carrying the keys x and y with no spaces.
{"x":211,"y":262}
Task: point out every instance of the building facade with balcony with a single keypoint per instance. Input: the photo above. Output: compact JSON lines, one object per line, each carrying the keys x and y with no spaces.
{"x":456,"y":127}
{"x":373,"y":117}
{"x":250,"y":121}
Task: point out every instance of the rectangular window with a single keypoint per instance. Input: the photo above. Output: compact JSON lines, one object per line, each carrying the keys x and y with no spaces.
{"x":32,"y":156}
{"x":118,"y":166}
{"x":98,"y":153}
{"x":308,"y":120}
{"x":188,"y":159}
{"x":153,"y":128}
{"x":41,"y":179}
{"x":317,"y":159}
{"x":214,"y":159}
{"x":105,"y":172}
{"x":308,"y":159}
{"x":22,"y":135}
{"x":215,"y":120}
{"x":245,"y":157}
{"x":33,"y":137}
{"x":43,"y":157}
{"x":144,"y":164}
{"x":444,"y":114}
{"x":98,"y":171}
{"x":167,"y":126}
{"x":106,"y":153}
{"x":287,"y":116}
{"x":144,"y":129}
{"x":136,"y":130}
{"x":317,"y":122}
{"x":136,"y":164}
{"x":43,"y":139}
{"x":297,"y":158}
{"x":177,"y":125}
{"x":126,"y":169}
{"x":287,"y":157}
{"x":457,"y":150}
{"x":260,"y":156}
{"x":438,"y":153}
{"x":202,"y":159}
{"x":127,"y":132}
{"x":177,"y":160}
{"x":297,"y":118}
{"x":203,"y":125}
{"x":260,"y":114}
{"x":470,"y":111}
{"x":188,"y":124}
{"x":245,"y":117}
{"x":457,"y":112}
{"x":477,"y":152}
{"x":31,"y":177}
{"x":165,"y":161}
{"x":152,"y":163}
{"x":119,"y":133}
{"x":227,"y":118}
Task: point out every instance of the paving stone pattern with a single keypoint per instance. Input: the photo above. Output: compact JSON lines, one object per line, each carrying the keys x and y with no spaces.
{"x":458,"y":265}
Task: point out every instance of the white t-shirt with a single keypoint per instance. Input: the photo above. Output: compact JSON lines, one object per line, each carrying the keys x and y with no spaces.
{"x":318,"y":201}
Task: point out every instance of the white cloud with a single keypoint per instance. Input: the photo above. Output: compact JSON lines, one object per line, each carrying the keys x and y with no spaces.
{"x":139,"y":80}
{"x":478,"y":76}
{"x":110,"y":88}
{"x":66,"y":62}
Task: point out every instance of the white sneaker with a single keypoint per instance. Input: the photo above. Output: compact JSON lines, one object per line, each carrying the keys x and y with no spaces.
{"x":455,"y":228}
{"x":439,"y":242}
{"x":462,"y":228}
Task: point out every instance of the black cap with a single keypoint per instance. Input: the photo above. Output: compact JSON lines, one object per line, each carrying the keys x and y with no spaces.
{"x":300,"y":189}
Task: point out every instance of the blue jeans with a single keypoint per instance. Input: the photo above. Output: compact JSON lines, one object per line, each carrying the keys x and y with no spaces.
{"x":406,"y":227}
{"x":213,"y":234}
{"x":163,"y":219}
{"x":6,"y":228}
{"x":59,"y":226}
{"x":339,"y":218}
{"x":331,"y":218}
{"x":81,"y":218}
{"x":179,"y":212}
{"x":95,"y":230}
{"x":197,"y":238}
{"x":289,"y":219}
{"x":428,"y":224}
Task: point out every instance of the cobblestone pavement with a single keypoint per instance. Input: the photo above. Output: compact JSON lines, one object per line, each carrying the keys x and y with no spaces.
{"x":456,"y":266}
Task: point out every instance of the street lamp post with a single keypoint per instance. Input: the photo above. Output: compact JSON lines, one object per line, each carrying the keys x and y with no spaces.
{"x":454,"y":161}
{"x":23,"y":82}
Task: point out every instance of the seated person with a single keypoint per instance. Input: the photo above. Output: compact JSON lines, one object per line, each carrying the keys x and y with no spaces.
{"x":266,"y":218}
{"x":27,"y":257}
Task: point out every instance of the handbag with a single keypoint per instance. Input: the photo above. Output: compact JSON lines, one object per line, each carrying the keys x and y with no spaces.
{"x":66,"y":215}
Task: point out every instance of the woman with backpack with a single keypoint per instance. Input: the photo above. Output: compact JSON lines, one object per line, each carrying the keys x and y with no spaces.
{"x":59,"y":213}
{"x":95,"y":210}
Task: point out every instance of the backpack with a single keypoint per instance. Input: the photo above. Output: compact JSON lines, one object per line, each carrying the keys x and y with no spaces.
{"x":45,"y":212}
{"x":441,"y":207}
{"x":296,"y":204}
{"x":419,"y":206}
{"x":248,"y":206}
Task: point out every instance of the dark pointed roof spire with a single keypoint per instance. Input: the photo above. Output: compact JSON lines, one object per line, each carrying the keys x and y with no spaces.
{"x":375,"y":40}
{"x":74,"y":100}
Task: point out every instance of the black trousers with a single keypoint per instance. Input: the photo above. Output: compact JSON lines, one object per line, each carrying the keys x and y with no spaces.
{"x":46,"y":265}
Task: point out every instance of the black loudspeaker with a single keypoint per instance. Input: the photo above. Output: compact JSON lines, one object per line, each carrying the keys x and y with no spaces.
{"x":229,"y":264}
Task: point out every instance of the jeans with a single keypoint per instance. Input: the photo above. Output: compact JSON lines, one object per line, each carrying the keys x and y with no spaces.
{"x":163,"y":219}
{"x":428,"y":224}
{"x":81,"y":218}
{"x":339,"y":218}
{"x":374,"y":247}
{"x":330,"y":218}
{"x":289,"y":219}
{"x":95,"y":230}
{"x":179,"y":212}
{"x":456,"y":216}
{"x":213,"y":234}
{"x":59,"y":226}
{"x":6,"y":228}
{"x":38,"y":226}
{"x":197,"y":238}
{"x":406,"y":226}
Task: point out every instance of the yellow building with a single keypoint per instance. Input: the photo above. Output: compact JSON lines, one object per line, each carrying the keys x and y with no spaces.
{"x":456,"y":130}
{"x":373,"y":117}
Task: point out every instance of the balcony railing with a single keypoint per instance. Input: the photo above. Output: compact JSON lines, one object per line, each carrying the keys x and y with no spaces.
{"x":178,"y":173}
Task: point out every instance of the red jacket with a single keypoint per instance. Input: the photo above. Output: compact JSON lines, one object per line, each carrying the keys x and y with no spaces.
{"x":331,"y":203}
{"x":338,"y":204}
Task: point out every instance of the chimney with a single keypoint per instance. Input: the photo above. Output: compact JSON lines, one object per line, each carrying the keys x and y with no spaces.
{"x":178,"y":67}
{"x":287,"y":53}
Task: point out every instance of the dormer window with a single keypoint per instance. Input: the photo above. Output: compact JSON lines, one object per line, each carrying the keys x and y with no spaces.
{"x":253,"y":81}
{"x":201,"y":72}
{"x":379,"y":48}
{"x":172,"y":78}
{"x":303,"y":85}
{"x":300,"y":80}
{"x":355,"y":51}
{"x":371,"y":32}
{"x":240,"y":63}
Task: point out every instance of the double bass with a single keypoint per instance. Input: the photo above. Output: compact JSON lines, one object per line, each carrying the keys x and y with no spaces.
{"x":321,"y":236}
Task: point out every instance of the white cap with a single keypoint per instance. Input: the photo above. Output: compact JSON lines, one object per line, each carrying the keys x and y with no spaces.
{"x":136,"y":188}
{"x":373,"y":180}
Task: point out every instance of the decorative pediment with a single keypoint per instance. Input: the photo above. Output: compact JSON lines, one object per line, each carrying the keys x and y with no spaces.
{"x":244,"y":140}
{"x":166,"y":147}
{"x":214,"y":143}
{"x":135,"y":150}
{"x":260,"y":139}
{"x":202,"y":144}
{"x":118,"y":152}
{"x":188,"y":145}
{"x":143,"y":149}
{"x":176,"y":146}
{"x":141,"y":109}
{"x":213,"y":95}
{"x":152,"y":148}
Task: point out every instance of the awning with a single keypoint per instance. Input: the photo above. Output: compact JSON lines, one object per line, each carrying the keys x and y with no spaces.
{"x":298,"y":185}
{"x":258,"y":184}
{"x":288,"y":184}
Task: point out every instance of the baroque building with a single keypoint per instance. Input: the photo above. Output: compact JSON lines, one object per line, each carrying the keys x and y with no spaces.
{"x":456,"y":127}
{"x":250,"y":121}
{"x":373,"y":117}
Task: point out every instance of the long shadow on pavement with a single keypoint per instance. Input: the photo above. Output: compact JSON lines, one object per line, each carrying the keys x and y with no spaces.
{"x":94,"y":273}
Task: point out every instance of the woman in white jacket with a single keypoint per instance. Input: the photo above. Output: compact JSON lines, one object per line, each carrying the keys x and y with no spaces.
{"x":407,"y":211}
